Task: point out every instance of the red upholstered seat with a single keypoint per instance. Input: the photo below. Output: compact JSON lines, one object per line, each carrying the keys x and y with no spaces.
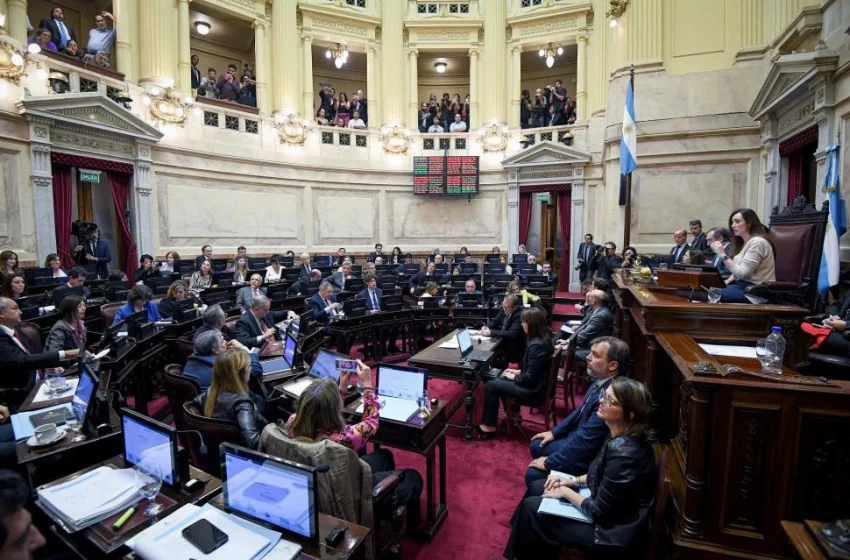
{"x":793,"y":243}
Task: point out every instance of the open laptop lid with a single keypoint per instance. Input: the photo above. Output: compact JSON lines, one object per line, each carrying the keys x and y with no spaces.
{"x":401,"y":381}
{"x":325,"y":364}
{"x":464,"y":342}
{"x":273,"y":492}
{"x":286,"y":361}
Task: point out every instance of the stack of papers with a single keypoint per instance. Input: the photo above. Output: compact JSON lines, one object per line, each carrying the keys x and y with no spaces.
{"x":91,"y":497}
{"x":563,"y":508}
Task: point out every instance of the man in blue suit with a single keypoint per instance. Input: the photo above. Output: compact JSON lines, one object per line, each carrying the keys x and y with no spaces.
{"x":372,"y":293}
{"x":94,"y":250}
{"x":574,"y":443}
{"x":323,"y":304}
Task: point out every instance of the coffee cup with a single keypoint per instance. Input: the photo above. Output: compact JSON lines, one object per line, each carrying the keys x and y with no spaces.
{"x":45,"y":432}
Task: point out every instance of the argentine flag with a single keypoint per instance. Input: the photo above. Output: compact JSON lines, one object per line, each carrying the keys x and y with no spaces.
{"x":628,"y":142}
{"x":836,"y":224}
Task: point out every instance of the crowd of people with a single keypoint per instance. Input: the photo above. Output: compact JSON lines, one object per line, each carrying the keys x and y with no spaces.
{"x":448,"y":114}
{"x":550,"y":106}
{"x":54,"y":34}
{"x":229,"y":86}
{"x":341,"y":111}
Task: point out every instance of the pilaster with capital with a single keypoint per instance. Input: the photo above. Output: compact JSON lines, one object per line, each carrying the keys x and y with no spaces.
{"x":261,"y":65}
{"x":515,"y":86}
{"x":513,"y":213}
{"x":770,"y":164}
{"x":184,"y":73}
{"x":495,"y":61}
{"x":392,"y":56}
{"x":16,"y":20}
{"x":284,"y":46}
{"x":127,"y":37}
{"x":158,"y":43}
{"x":644,"y":24}
{"x":576,"y":233}
{"x":372,"y":85}
{"x":413,"y":87}
{"x":823,"y":89}
{"x":143,"y":221}
{"x":307,"y":104}
{"x":41,"y":178}
{"x":475,"y":116}
{"x":581,"y":78}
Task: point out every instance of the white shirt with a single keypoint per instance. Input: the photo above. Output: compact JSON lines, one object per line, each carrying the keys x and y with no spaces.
{"x":458,"y":127}
{"x":271,"y":275}
{"x":25,"y":350}
{"x":356,"y":123}
{"x":435,"y":128}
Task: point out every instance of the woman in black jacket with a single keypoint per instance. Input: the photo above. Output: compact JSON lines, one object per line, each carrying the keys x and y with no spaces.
{"x":525,"y":385}
{"x":621,"y":483}
{"x":69,"y":332}
{"x":228,"y":397}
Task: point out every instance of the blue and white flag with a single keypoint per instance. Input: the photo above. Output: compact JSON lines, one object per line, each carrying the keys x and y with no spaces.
{"x":628,"y":141}
{"x":836,"y":224}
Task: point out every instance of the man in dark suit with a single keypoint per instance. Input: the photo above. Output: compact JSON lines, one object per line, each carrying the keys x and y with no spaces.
{"x":94,"y":251}
{"x":571,"y":445}
{"x":206,"y":255}
{"x":258,"y":324}
{"x":469,"y":289}
{"x":299,"y":287}
{"x":550,"y":274}
{"x":700,"y":240}
{"x":18,"y":360}
{"x":430,"y":270}
{"x":609,"y":262}
{"x":681,"y":247}
{"x":720,"y":234}
{"x":508,"y":327}
{"x":586,"y":252}
{"x":196,"y":74}
{"x":304,"y":269}
{"x":378,"y":252}
{"x":371,"y":293}
{"x":76,"y":279}
{"x":598,"y":321}
{"x":212,"y":319}
{"x":60,"y":32}
{"x":361,"y":105}
{"x":323,"y":304}
{"x":208,"y":345}
{"x":246,"y":295}
{"x":337,"y":279}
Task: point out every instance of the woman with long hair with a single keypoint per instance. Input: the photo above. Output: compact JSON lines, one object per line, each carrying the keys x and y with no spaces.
{"x":615,"y":495}
{"x":515,"y":287}
{"x":343,"y":108}
{"x":14,"y":286}
{"x":177,"y":292}
{"x":54,"y":262}
{"x":167,"y":266}
{"x":240,"y":270}
{"x":752,"y":261}
{"x":69,"y":332}
{"x":397,"y":256}
{"x":9,"y":263}
{"x":201,"y":279}
{"x":525,"y":385}
{"x":228,"y":397}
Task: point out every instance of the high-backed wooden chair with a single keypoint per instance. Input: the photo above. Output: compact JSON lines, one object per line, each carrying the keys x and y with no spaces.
{"x":33,"y":335}
{"x":108,"y":312}
{"x":214,"y":431}
{"x":179,"y":390}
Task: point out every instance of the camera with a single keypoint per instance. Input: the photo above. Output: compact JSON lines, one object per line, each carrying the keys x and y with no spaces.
{"x":83,"y":230}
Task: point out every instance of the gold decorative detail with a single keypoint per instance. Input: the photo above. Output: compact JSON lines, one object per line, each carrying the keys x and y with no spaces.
{"x":494,"y":138}
{"x":442,"y":37}
{"x":617,"y":8}
{"x":13,"y":60}
{"x":167,"y":105}
{"x":548,"y":27}
{"x":395,"y":140}
{"x":340,"y":27}
{"x":292,"y":129}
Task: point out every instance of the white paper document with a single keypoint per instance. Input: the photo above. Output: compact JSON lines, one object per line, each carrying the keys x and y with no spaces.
{"x":92,"y":496}
{"x":451,"y":344}
{"x":298,"y":387}
{"x":563,"y":508}
{"x":101,"y":354}
{"x":68,"y":391}
{"x":395,"y":409}
{"x":730,"y":350}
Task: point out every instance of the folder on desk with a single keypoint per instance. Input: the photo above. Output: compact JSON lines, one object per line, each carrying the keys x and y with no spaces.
{"x":563,"y":508}
{"x":23,"y":427}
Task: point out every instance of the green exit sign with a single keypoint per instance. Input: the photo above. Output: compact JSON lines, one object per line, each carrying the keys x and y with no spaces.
{"x":89,"y":176}
{"x":543,"y":197}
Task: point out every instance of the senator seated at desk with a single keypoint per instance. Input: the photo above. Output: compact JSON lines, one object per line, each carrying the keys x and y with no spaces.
{"x":146,"y":270}
{"x":527,"y":298}
{"x":507,"y":326}
{"x":719,"y":234}
{"x":258,"y":324}
{"x":76,"y":279}
{"x":69,"y":332}
{"x":678,"y":252}
{"x":228,"y":397}
{"x":212,"y":319}
{"x":274,"y":270}
{"x":338,"y":278}
{"x":207,"y":347}
{"x":470,"y":296}
{"x":246,"y":295}
{"x":753,"y":256}
{"x":299,"y":287}
{"x":138,"y":298}
{"x":176,"y":293}
{"x":423,"y":277}
{"x":201,"y":279}
{"x":15,"y":287}
{"x":598,"y":321}
{"x":324,"y":305}
{"x":621,"y":480}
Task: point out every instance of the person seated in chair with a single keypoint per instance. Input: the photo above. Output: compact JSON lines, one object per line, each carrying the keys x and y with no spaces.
{"x":598,"y":321}
{"x":319,"y":416}
{"x":550,"y":275}
{"x":69,"y":331}
{"x":176,"y":293}
{"x":508,"y":327}
{"x":138,"y":298}
{"x":753,"y":256}
{"x":228,"y":397}
{"x":469,"y":289}
{"x":146,"y":270}
{"x":246,"y":295}
{"x":324,"y":305}
{"x":299,"y":287}
{"x":515,"y":287}
{"x":212,"y":319}
{"x":571,"y":445}
{"x":430,"y":271}
{"x":207,"y":346}
{"x":257,"y":325}
{"x":621,"y":479}
{"x":839,"y":323}
{"x":526,"y":386}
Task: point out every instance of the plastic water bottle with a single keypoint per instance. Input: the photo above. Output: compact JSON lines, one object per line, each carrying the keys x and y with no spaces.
{"x":776,"y":348}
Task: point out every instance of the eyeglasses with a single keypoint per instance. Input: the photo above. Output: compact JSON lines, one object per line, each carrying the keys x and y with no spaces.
{"x":608,"y":401}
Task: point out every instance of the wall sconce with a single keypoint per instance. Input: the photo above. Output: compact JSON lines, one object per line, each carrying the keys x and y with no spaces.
{"x":59,"y":83}
{"x":291,"y":128}
{"x":13,"y":60}
{"x":166,"y":105}
{"x":202,"y":27}
{"x":123,"y":98}
{"x":617,"y":9}
{"x":395,"y":139}
{"x":494,"y":138}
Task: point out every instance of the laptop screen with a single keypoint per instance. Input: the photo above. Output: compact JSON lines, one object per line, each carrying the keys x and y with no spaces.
{"x":464,"y":341}
{"x":283,"y":363}
{"x":270,"y":490}
{"x":289,"y":347}
{"x":402,"y":383}
{"x":143,"y":442}
{"x":83,"y":395}
{"x":325,"y":365}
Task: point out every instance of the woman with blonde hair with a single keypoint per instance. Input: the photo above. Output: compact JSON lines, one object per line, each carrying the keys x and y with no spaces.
{"x":515,"y":287}
{"x":228,"y":397}
{"x":240,"y":270}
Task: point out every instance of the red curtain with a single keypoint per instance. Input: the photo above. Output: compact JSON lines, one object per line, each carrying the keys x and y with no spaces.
{"x":565,"y":204}
{"x":62,"y":204}
{"x":91,"y":163}
{"x":120,"y":186}
{"x":524,"y":216}
{"x":796,"y":174}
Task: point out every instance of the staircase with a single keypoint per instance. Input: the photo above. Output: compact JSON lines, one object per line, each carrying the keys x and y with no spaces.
{"x":564,"y":309}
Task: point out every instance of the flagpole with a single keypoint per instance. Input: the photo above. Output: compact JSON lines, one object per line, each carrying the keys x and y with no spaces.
{"x":627,"y":229}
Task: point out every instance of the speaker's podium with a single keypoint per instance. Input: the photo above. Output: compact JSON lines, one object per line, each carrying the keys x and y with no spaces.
{"x":690,"y":278}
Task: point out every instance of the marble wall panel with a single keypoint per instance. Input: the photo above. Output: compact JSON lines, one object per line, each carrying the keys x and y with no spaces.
{"x":341,"y":217}
{"x":416,"y":220}
{"x":4,"y":195}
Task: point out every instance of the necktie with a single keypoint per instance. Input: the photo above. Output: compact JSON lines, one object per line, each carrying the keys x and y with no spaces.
{"x":256,"y":292}
{"x":63,"y":33}
{"x":20,"y":342}
{"x":374,"y":300}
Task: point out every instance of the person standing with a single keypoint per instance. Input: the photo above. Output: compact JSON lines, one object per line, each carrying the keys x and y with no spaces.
{"x":101,"y":37}
{"x":60,"y":33}
{"x":96,"y":251}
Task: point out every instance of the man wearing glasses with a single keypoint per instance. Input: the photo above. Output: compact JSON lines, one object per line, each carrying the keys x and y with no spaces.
{"x":571,"y":445}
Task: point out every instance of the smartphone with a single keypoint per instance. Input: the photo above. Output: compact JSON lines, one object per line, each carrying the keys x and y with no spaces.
{"x":205,"y":536}
{"x":344,"y":365}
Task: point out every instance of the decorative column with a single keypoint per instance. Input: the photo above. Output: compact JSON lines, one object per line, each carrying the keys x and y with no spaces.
{"x":392,"y":56}
{"x":823,"y":89}
{"x":752,"y":30}
{"x":413,"y":99}
{"x":372,"y":85}
{"x":770,"y":163}
{"x":157,"y":45}
{"x":127,"y":21}
{"x":515,"y":86}
{"x":697,"y":462}
{"x":576,"y":234}
{"x":286,"y":92}
{"x":581,"y":78}
{"x":143,"y":222}
{"x":307,"y":103}
{"x":513,"y":212}
{"x":42,"y":187}
{"x":261,"y":65}
{"x":642,"y":23}
{"x":495,"y":63}
{"x":16,"y":20}
{"x":184,"y":73}
{"x":475,"y":117}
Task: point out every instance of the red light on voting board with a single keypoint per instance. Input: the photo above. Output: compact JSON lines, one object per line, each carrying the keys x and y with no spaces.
{"x":449,"y":175}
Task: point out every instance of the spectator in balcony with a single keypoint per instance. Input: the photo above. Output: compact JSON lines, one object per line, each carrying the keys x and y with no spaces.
{"x":555,"y":118}
{"x":538,"y":109}
{"x":209,"y":85}
{"x":359,"y":103}
{"x":557,"y":96}
{"x":356,"y":121}
{"x":42,"y":39}
{"x":455,"y":106}
{"x":72,"y":49}
{"x":248,"y":90}
{"x":343,"y":109}
{"x":322,"y":118}
{"x":425,"y":117}
{"x":338,"y":123}
{"x":329,"y":102}
{"x":101,"y":59}
{"x":101,"y":37}
{"x":458,"y":125}
{"x":196,"y":73}
{"x":59,"y":32}
{"x":525,"y":109}
{"x":436,"y":128}
{"x":465,"y":110}
{"x":228,"y":87}
{"x":446,"y":115}
{"x":570,"y":111}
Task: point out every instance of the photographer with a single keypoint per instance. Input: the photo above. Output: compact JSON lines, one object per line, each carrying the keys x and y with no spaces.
{"x":228,"y":86}
{"x":147,"y":269}
{"x":556,"y":96}
{"x":91,"y":249}
{"x":538,"y":109}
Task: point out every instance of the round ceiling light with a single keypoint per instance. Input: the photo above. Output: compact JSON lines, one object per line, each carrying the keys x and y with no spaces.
{"x":440,"y":67}
{"x":202,"y":27}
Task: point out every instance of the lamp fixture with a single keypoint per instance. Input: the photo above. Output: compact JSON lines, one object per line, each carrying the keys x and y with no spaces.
{"x":617,"y":9}
{"x":440,"y":67}
{"x":339,"y":54}
{"x":549,"y":53}
{"x":167,"y":105}
{"x":13,"y":59}
{"x":202,"y":27}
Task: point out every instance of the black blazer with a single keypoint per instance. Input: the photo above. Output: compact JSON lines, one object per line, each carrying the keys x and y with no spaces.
{"x":699,"y":243}
{"x":534,"y":367}
{"x":103,"y":254}
{"x":681,"y":256}
{"x":304,"y":271}
{"x":509,"y":329}
{"x":61,"y":337}
{"x":196,"y":77}
{"x":141,"y":274}
{"x":247,"y":329}
{"x":594,"y":325}
{"x":317,"y":306}
{"x":56,"y":37}
{"x":17,"y":368}
{"x":589,"y":256}
{"x":622,"y":482}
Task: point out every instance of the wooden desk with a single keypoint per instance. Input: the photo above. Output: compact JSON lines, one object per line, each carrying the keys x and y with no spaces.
{"x":444,"y":363}
{"x":749,"y":452}
{"x":89,"y":544}
{"x":807,"y":542}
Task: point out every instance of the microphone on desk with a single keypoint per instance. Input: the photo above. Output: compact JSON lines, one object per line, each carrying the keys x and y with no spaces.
{"x":691,"y":295}
{"x":203,"y":447}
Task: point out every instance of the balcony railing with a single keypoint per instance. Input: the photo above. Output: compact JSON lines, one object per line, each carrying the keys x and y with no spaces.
{"x":567,"y":134}
{"x":440,"y":142}
{"x":349,"y":137}
{"x":430,"y":9}
{"x":83,"y":77}
{"x":229,"y":116}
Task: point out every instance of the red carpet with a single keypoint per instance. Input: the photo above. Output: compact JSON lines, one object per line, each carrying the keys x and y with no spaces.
{"x":570,"y":295}
{"x":567,"y":309}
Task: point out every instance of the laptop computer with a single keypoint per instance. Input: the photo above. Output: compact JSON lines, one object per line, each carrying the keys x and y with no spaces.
{"x":270,"y":491}
{"x":399,"y":389}
{"x":285,"y":363}
{"x":464,"y":342}
{"x":83,"y":396}
{"x":324,"y":366}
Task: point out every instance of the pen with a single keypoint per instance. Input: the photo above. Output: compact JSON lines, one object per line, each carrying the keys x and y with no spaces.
{"x":123,"y":519}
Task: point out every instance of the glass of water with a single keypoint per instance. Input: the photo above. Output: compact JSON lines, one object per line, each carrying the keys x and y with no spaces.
{"x":662,"y":266}
{"x":55,"y":381}
{"x":423,"y":403}
{"x":74,"y":424}
{"x":763,"y":354}
{"x":149,"y":478}
{"x":714,"y":295}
